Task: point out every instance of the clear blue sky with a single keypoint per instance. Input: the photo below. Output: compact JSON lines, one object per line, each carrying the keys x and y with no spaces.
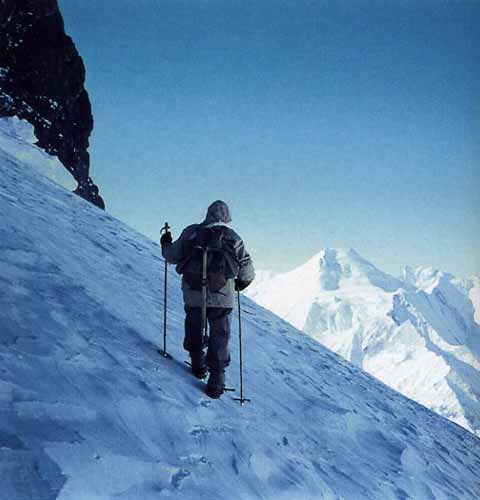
{"x":321,"y":123}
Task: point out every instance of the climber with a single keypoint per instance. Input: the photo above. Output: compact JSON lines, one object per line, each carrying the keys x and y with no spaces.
{"x":214,"y":251}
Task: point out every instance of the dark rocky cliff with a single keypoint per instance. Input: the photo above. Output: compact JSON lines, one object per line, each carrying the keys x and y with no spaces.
{"x":42,"y":80}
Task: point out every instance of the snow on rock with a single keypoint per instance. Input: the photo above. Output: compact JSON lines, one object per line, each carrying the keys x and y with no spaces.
{"x":89,"y":410}
{"x":419,"y":334}
{"x":42,"y":80}
{"x":17,"y":139}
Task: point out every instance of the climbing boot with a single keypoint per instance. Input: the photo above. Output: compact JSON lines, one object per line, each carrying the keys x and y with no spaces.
{"x":199,"y":366}
{"x":215,"y":384}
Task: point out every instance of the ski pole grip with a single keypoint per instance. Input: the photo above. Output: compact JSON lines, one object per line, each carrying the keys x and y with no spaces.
{"x":165,"y":228}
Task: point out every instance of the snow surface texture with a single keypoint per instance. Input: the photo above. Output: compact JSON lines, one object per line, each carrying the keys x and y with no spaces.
{"x":17,"y":138}
{"x":90,"y":411}
{"x":419,"y":334}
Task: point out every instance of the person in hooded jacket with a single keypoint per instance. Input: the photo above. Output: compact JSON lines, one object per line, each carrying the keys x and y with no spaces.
{"x":219,"y":302}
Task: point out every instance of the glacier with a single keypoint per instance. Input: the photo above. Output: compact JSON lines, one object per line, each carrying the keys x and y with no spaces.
{"x":90,"y":411}
{"x":419,"y":333}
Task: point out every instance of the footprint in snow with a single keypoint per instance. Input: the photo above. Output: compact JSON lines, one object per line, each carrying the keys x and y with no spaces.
{"x":179,"y":477}
{"x":195,"y":459}
{"x":199,"y":432}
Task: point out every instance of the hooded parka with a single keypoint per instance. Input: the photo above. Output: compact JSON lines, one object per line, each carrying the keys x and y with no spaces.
{"x":177,"y":252}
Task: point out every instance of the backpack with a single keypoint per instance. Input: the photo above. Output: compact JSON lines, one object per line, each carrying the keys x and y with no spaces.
{"x":219,"y":269}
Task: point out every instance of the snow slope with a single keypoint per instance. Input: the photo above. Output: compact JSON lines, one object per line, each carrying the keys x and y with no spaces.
{"x":89,"y":411}
{"x":419,"y":334}
{"x":18,"y":139}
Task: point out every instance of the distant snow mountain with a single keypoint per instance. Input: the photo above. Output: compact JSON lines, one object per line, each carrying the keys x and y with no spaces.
{"x":419,"y":334}
{"x":89,"y":409}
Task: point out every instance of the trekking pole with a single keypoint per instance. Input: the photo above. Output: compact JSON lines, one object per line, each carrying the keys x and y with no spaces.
{"x":164,"y":353}
{"x":241,"y":399}
{"x":204,"y":294}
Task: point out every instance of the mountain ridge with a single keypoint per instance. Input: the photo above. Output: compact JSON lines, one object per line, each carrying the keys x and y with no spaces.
{"x":357,"y":310}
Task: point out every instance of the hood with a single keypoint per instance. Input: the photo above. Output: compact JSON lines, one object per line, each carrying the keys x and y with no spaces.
{"x":218,"y":211}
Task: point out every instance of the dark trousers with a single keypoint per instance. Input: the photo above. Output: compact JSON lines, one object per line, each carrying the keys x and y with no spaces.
{"x":219,"y":318}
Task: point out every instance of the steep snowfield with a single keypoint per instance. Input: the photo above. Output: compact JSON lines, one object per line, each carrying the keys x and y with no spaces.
{"x":419,"y":334}
{"x":18,"y":139}
{"x":90,"y":411}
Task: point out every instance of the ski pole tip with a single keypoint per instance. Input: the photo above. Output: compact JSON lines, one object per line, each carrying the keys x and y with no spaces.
{"x":242,"y":401}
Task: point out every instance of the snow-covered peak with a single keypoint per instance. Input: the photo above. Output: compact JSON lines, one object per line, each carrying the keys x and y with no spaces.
{"x":472,"y":287}
{"x":426,"y":278}
{"x":327,"y":268}
{"x":419,"y":334}
{"x":337,"y":267}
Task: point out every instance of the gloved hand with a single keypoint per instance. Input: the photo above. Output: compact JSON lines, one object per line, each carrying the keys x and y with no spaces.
{"x":166,"y":238}
{"x":240,"y":285}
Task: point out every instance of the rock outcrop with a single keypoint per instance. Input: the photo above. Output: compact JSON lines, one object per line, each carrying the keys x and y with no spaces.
{"x":42,"y":80}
